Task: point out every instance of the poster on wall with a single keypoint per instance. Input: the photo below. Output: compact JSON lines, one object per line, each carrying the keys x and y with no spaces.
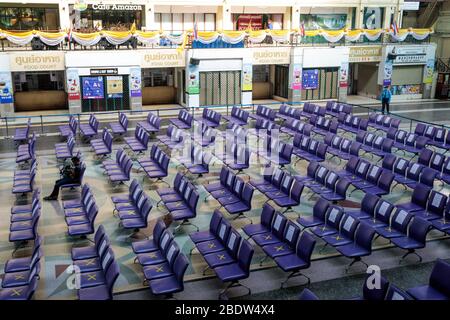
{"x":310,"y":79}
{"x":114,"y":86}
{"x":135,"y":82}
{"x":73,"y":84}
{"x":6,"y":93}
{"x":93,"y":88}
{"x":193,"y":86}
{"x":296,"y":77}
{"x":253,"y":21}
{"x":429,"y":69}
{"x":343,"y":75}
{"x":323,"y":21}
{"x":247,"y":74}
{"x":387,"y":73}
{"x":373,"y":18}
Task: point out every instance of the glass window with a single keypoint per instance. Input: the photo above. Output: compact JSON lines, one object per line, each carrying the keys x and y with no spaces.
{"x":157,"y":77}
{"x":257,"y":21}
{"x":178,"y":22}
{"x":261,"y":73}
{"x":19,"y":18}
{"x":32,"y":81}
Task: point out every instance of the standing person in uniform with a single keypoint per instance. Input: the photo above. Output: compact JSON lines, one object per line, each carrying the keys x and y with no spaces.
{"x":386,"y":96}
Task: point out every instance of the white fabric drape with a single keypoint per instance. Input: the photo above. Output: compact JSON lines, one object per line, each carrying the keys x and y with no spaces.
{"x":86,"y":42}
{"x":115,"y":40}
{"x":331,"y":38}
{"x":52,"y":41}
{"x":235,"y":40}
{"x":176,"y":39}
{"x":20,"y":41}
{"x":144,"y":40}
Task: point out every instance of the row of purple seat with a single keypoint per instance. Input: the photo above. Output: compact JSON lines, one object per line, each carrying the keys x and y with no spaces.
{"x":281,"y":240}
{"x":306,"y":148}
{"x":119,"y":169}
{"x":233,"y":194}
{"x":279,"y":186}
{"x":184,"y":120}
{"x":180,"y":200}
{"x":157,"y":165}
{"x":294,"y":126}
{"x":197,"y":160}
{"x":173,"y":138}
{"x":407,"y":142}
{"x":209,"y":118}
{"x":69,"y":129}
{"x":374,"y":144}
{"x":437,"y":162}
{"x":326,"y":183}
{"x":340,"y":147}
{"x":334,"y":108}
{"x":23,"y":181}
{"x":134,"y":213}
{"x":437,"y":137}
{"x":382,"y":122}
{"x":98,"y":269}
{"x":275,"y":151}
{"x":80,"y":217}
{"x":64,"y":150}
{"x":162,"y":261}
{"x":120,"y":127}
{"x":237,"y":116}
{"x":409,"y":173}
{"x":138,"y":143}
{"x":224,"y":251}
{"x":102,"y":146}
{"x":26,"y":151}
{"x":90,"y":129}
{"x":21,"y":275}
{"x":235,"y":155}
{"x":263,"y":112}
{"x":22,"y":134}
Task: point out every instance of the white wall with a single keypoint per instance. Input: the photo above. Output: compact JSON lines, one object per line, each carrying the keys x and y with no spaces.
{"x":98,"y":59}
{"x":325,"y":57}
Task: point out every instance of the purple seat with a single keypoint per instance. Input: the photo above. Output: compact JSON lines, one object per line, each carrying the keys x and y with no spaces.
{"x":398,"y":225}
{"x":65,"y":150}
{"x":152,"y":244}
{"x":89,"y":252}
{"x":418,"y":199}
{"x":69,"y":129}
{"x":103,"y":147}
{"x":173,"y":139}
{"x":288,"y":242}
{"x":266,"y":221}
{"x":102,"y":291}
{"x":320,"y":210}
{"x":210,"y":234}
{"x":238,"y":270}
{"x":184,"y":120}
{"x":25,"y":263}
{"x":435,"y":206}
{"x":21,"y":134}
{"x":438,"y":287}
{"x":174,"y":283}
{"x":331,"y":223}
{"x":121,"y":127}
{"x":152,"y":123}
{"x":346,"y":232}
{"x":25,"y":292}
{"x":361,"y":245}
{"x":138,"y":143}
{"x":210,"y":118}
{"x":90,"y":129}
{"x":367,"y":210}
{"x":238,"y":116}
{"x":79,"y":182}
{"x":87,"y":225}
{"x":415,"y":239}
{"x":298,"y":260}
{"x":21,"y":278}
{"x":276,"y":231}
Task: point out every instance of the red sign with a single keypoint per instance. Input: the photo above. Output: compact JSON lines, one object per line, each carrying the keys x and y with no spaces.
{"x":246,"y":20}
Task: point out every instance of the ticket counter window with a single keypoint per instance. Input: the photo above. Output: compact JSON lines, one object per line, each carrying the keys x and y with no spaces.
{"x":158,"y":86}
{"x":35,"y":91}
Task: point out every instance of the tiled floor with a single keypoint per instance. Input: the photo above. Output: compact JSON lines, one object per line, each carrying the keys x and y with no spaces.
{"x":57,"y":244}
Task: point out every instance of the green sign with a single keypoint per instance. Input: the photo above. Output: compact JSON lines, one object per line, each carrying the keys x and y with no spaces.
{"x":193,"y":86}
{"x":324,"y":21}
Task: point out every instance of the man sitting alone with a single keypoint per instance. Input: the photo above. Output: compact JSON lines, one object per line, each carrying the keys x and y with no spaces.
{"x":71,"y":174}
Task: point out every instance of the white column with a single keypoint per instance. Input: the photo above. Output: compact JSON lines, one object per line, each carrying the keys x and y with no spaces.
{"x":295,"y":75}
{"x":359,"y":18}
{"x":227,"y":20}
{"x":295,"y":17}
{"x":149,"y":23}
{"x":64,"y":15}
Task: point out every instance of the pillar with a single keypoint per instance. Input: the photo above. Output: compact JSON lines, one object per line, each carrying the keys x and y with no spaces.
{"x":64,"y":15}
{"x":295,"y":75}
{"x":149,"y":17}
{"x":295,"y":17}
{"x":227,"y":20}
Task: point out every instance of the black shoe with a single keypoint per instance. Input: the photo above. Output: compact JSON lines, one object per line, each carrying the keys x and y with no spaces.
{"x":50,"y":198}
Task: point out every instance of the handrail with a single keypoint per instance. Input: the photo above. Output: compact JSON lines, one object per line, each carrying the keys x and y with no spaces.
{"x":5,"y":122}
